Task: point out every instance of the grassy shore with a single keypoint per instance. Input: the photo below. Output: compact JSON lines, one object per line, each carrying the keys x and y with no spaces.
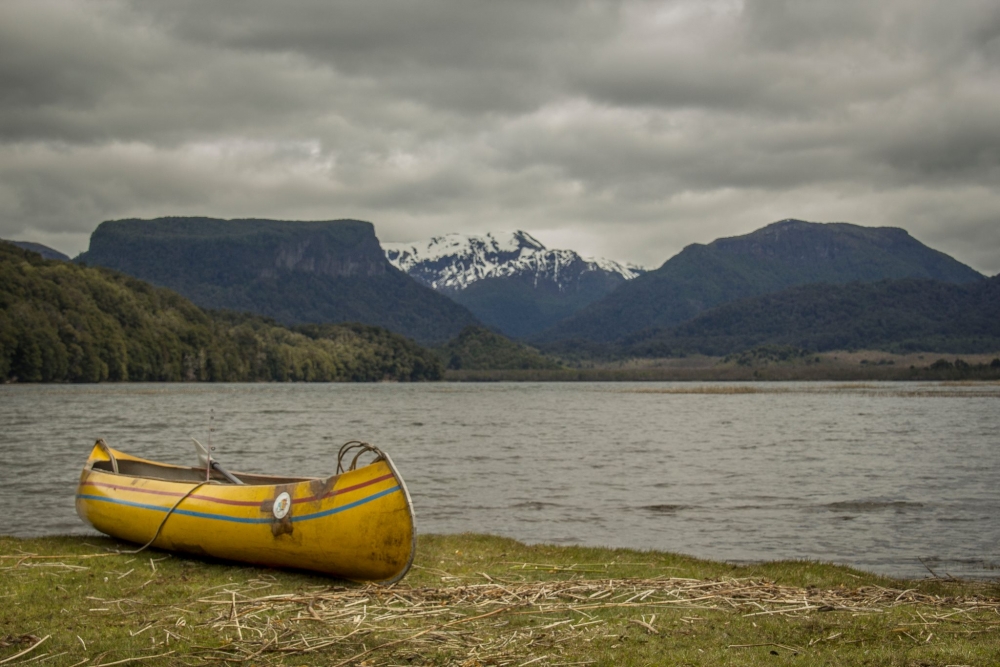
{"x":838,"y":366}
{"x":479,"y":600}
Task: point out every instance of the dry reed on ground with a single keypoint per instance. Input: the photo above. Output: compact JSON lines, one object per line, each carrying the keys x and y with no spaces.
{"x":483,"y":619}
{"x":475,"y":620}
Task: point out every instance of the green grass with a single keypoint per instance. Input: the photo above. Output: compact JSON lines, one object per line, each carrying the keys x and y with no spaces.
{"x":480,"y":600}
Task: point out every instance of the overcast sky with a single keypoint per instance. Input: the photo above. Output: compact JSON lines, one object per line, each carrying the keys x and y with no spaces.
{"x":619,"y":129}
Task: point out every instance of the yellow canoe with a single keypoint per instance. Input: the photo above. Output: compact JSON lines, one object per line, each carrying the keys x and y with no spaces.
{"x":357,"y":524}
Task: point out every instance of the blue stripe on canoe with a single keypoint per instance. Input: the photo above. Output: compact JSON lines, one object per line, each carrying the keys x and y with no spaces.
{"x":236,"y":519}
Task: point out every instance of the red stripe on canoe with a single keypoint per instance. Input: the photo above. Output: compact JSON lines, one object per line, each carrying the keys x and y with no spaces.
{"x":241,"y":503}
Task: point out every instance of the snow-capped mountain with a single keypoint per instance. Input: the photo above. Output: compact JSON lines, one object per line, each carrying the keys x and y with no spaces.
{"x":509,"y":280}
{"x":455,"y":261}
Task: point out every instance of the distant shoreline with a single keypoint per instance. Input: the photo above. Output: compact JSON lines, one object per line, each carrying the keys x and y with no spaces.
{"x":839,"y":366}
{"x":723,"y":375}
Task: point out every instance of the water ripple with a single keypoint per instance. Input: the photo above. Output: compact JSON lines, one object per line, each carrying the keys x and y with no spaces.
{"x":854,"y":473}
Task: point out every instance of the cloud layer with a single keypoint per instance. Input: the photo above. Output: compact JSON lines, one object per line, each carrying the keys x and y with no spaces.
{"x":621,"y":129}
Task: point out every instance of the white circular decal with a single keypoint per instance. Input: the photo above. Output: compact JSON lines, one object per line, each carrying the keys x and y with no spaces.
{"x":282,"y":504}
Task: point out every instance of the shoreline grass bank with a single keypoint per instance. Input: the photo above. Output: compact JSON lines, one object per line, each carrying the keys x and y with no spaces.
{"x":725,"y":374}
{"x":762,"y":365}
{"x":479,"y":600}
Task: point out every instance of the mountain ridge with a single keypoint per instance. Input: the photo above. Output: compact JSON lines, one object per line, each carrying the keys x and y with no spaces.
{"x":778,"y":256}
{"x":455,"y":261}
{"x":509,"y":280}
{"x":45,"y":251}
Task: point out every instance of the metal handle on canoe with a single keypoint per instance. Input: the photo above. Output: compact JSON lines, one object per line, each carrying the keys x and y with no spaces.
{"x":362,"y":447}
{"x":206,"y":460}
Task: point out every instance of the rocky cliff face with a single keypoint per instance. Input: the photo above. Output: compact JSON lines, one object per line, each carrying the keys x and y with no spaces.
{"x":312,"y":256}
{"x":235,"y":250}
{"x":295,"y":272}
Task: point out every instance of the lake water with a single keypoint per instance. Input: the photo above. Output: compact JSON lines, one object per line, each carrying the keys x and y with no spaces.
{"x":893,"y":478}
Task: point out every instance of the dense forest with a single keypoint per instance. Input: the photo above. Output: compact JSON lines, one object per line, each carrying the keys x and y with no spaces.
{"x":61,"y":322}
{"x":892,"y":315}
{"x":897,"y":316}
{"x":478,"y":348}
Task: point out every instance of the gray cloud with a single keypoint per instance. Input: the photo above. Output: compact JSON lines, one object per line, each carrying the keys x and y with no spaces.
{"x":625,"y":129}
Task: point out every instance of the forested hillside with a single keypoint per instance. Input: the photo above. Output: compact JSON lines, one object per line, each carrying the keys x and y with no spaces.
{"x":478,"y":348}
{"x":68,"y":323}
{"x":892,"y":315}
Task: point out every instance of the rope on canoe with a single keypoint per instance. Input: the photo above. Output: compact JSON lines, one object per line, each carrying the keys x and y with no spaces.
{"x":362,"y":447}
{"x":345,"y":449}
{"x":167,"y":516}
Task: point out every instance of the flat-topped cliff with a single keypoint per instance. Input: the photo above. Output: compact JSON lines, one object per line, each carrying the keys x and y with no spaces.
{"x":295,"y":272}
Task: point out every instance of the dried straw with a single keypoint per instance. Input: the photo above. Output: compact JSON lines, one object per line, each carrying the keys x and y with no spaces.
{"x":474,"y":619}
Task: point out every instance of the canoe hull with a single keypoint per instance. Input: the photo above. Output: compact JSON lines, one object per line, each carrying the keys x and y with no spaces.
{"x":356,"y":525}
